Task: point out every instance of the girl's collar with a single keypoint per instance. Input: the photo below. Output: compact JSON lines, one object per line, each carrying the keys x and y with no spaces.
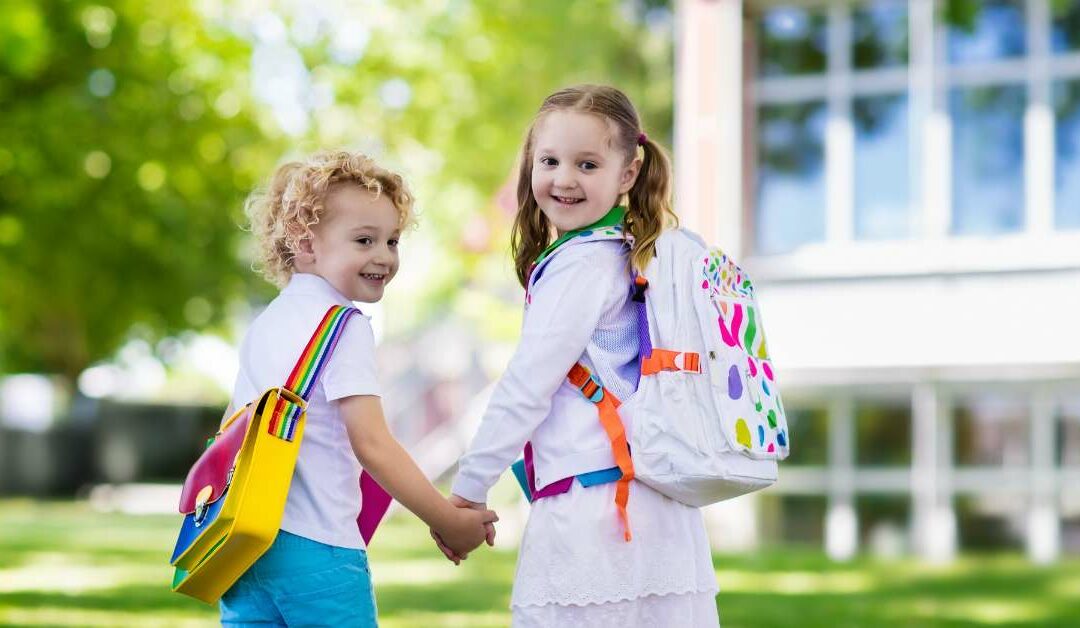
{"x":610,"y":219}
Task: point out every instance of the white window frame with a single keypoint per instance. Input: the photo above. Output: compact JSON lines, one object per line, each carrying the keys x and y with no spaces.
{"x":926,"y":81}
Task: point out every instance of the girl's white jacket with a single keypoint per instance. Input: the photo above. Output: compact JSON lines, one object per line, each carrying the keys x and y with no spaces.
{"x":579,"y":310}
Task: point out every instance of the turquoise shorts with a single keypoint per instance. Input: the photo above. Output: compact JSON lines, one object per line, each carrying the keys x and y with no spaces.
{"x":300,"y":582}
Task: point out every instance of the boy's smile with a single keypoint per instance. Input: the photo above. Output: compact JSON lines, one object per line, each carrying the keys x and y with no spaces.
{"x":355,"y":245}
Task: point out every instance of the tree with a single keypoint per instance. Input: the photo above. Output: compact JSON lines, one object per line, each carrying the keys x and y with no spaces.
{"x":131,"y":135}
{"x":446,"y":91}
{"x":128,"y":143}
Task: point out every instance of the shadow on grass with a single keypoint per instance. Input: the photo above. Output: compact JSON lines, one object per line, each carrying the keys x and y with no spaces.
{"x":476,"y":595}
{"x":132,"y":598}
{"x":766,"y":610}
{"x":778,"y":587}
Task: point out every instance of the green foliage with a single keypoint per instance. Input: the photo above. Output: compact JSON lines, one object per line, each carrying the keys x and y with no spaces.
{"x":476,"y":73}
{"x":962,"y":14}
{"x":130,"y":133}
{"x":1066,"y":15}
{"x":127,"y":147}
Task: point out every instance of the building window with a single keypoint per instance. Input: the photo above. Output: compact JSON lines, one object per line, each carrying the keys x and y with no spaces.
{"x":882,"y":433}
{"x":1070,"y":522}
{"x":1068,"y":457}
{"x":879,"y":35}
{"x":990,"y":521}
{"x":1068,"y":434}
{"x":992,"y":431}
{"x":802,"y":519}
{"x":1065,"y":31}
{"x":882,"y":201}
{"x":792,"y":41}
{"x":847,"y":66}
{"x":1067,"y":153}
{"x":987,"y":159}
{"x":791,"y":176}
{"x":809,"y":427}
{"x":883,"y":524}
{"x":991,"y":32}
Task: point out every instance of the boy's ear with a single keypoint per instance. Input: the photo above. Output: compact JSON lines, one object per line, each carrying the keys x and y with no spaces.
{"x":305,"y":252}
{"x":630,"y":175}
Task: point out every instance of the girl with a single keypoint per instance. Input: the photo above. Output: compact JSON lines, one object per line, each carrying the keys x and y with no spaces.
{"x":599,"y":549}
{"x":328,"y":231}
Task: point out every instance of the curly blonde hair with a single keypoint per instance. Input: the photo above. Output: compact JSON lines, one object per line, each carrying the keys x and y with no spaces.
{"x":282,"y":214}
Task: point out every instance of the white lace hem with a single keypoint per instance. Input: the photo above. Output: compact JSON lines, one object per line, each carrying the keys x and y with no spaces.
{"x":593,"y":600}
{"x":692,"y":610}
{"x":573,"y":552}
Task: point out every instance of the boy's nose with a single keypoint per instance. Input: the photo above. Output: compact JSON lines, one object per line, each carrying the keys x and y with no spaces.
{"x":385,"y":257}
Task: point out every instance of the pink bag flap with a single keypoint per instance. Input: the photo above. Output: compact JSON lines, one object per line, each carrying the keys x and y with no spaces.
{"x":212,"y":467}
{"x":374,"y":501}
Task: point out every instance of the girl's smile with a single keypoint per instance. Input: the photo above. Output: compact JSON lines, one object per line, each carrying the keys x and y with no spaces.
{"x":577,"y":173}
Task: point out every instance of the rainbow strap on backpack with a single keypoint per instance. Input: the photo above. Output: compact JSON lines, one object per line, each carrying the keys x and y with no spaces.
{"x":234,"y":496}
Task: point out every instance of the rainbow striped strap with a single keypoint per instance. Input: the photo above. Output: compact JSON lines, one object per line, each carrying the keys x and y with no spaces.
{"x":306,"y":373}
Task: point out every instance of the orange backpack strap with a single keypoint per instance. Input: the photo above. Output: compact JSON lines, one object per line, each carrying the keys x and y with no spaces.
{"x":665,"y":360}
{"x":653,"y":360}
{"x":608,"y":407}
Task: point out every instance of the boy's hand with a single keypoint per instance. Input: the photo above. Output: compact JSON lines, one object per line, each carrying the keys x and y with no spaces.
{"x":447,"y":552}
{"x":468,"y":528}
{"x":489,"y":530}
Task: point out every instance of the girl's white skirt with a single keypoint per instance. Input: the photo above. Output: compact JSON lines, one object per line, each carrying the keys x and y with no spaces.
{"x":575,"y":569}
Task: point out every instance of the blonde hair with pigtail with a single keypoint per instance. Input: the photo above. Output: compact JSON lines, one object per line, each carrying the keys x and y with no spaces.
{"x":649,"y":209}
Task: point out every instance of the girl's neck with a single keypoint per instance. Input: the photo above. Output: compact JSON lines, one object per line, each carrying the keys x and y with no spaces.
{"x":610,"y":219}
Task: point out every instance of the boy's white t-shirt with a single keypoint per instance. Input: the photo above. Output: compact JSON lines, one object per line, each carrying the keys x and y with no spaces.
{"x":324,"y":497}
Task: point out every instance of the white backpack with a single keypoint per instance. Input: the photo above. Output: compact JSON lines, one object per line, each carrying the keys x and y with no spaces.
{"x":710,"y":425}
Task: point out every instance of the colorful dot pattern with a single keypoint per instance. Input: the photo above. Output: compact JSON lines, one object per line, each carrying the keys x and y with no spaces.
{"x":723,"y":277}
{"x":760,"y":425}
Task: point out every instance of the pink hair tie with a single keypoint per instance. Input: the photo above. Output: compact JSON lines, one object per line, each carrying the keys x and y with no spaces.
{"x":642,"y":138}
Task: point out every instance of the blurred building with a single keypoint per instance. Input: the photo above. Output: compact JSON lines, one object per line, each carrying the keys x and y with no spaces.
{"x":902,"y":179}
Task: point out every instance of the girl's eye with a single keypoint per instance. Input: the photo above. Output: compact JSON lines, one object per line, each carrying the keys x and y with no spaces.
{"x":365,"y":241}
{"x":392,"y":243}
{"x":549,"y":161}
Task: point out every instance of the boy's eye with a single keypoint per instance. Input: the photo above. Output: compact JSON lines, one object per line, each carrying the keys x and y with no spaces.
{"x":392,"y":243}
{"x":364,"y":240}
{"x":588,"y":165}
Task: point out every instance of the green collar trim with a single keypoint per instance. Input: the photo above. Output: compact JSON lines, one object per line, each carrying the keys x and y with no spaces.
{"x":610,"y":219}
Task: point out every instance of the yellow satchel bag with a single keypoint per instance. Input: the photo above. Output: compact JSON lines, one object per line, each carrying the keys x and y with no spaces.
{"x":234,"y":496}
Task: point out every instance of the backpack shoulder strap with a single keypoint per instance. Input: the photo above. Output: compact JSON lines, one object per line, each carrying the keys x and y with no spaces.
{"x":318,"y":350}
{"x":655,"y":360}
{"x":305,"y":373}
{"x":607,"y":406}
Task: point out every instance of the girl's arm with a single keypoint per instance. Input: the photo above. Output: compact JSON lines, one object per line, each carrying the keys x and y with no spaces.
{"x":462,"y":530}
{"x":566,"y":307}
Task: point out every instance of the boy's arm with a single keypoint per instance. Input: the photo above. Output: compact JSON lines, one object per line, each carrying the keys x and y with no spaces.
{"x":387,"y":461}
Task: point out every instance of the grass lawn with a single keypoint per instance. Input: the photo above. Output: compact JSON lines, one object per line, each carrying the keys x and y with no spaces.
{"x":62,"y":564}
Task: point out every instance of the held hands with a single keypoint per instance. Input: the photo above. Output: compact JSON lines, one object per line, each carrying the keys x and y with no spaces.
{"x":471,"y":525}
